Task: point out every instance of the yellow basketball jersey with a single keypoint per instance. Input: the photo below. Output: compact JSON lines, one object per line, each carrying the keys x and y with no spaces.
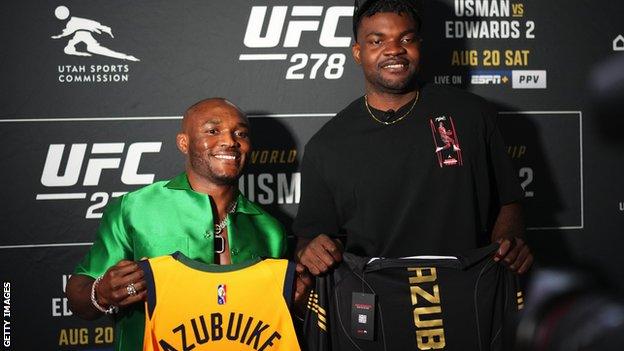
{"x":196,"y":306}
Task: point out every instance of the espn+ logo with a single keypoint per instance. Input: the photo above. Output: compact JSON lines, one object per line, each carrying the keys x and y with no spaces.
{"x":102,"y":157}
{"x":281,"y":27}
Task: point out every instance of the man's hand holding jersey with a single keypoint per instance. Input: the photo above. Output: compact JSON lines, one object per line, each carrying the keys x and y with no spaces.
{"x":113,"y":289}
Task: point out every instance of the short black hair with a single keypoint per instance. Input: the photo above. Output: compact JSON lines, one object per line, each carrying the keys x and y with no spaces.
{"x":369,"y":8}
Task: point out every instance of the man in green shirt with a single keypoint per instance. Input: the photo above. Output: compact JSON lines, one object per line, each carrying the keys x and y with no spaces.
{"x":200,"y":213}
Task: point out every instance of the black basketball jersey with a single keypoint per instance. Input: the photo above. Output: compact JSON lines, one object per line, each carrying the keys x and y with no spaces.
{"x":467,"y":302}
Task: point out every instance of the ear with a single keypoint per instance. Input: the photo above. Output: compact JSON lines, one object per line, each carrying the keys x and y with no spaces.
{"x":355,"y":51}
{"x":182,"y":143}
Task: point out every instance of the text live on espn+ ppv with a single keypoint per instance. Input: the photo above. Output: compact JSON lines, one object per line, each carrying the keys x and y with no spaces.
{"x":95,"y":89}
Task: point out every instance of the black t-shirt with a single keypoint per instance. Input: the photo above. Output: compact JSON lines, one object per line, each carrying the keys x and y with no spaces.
{"x":467,"y":303}
{"x":432,"y":183}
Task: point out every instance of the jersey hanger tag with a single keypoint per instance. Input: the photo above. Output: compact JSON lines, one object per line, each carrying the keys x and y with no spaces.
{"x":363,"y":316}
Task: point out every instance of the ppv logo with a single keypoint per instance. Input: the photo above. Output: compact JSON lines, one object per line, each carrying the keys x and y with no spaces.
{"x":51,"y":176}
{"x":522,"y":79}
{"x":302,"y":19}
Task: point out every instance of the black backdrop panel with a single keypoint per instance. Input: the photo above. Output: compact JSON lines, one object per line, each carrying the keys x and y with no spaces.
{"x":546,"y":148}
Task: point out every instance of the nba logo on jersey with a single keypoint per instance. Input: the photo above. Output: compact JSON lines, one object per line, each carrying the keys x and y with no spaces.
{"x":221,"y":299}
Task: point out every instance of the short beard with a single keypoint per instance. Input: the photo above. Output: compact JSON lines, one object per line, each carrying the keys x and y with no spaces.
{"x":380,"y":84}
{"x":202,"y":168}
{"x":395,"y":87}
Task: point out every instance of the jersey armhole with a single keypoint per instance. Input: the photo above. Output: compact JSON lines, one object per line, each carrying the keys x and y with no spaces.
{"x":148,"y":275}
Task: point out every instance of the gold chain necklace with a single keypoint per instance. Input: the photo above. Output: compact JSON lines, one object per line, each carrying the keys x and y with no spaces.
{"x":396,"y":120}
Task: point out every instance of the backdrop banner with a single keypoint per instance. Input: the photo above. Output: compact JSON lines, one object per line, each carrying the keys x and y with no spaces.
{"x":93,"y":92}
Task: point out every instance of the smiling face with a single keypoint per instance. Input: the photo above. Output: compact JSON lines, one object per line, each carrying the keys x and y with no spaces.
{"x":215,"y":140}
{"x":388,"y":49}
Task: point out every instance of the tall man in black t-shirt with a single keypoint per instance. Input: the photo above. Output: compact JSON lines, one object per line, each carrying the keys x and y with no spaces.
{"x":380,"y":174}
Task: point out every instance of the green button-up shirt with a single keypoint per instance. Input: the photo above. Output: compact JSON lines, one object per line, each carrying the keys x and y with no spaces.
{"x":169,"y":216}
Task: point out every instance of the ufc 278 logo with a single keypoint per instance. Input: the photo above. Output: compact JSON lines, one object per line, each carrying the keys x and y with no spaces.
{"x":102,"y":157}
{"x":284,"y":29}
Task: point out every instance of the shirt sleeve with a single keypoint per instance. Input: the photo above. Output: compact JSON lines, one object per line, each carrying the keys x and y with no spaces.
{"x":317,"y":212}
{"x":505,"y":177}
{"x":111,"y":244}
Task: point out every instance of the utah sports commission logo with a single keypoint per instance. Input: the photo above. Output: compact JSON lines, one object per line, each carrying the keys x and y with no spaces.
{"x":83,"y":37}
{"x":273,"y":32}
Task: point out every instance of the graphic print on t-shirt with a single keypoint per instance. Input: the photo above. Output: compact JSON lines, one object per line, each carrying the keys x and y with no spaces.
{"x":446,"y":141}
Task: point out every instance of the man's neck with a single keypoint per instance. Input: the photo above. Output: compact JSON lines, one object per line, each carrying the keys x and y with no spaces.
{"x":389,"y":101}
{"x":223,"y":195}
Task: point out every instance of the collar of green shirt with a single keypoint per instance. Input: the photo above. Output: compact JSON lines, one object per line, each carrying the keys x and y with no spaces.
{"x":180,"y":182}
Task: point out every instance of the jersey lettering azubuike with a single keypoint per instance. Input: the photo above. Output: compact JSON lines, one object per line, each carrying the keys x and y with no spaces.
{"x":191,"y":305}
{"x":465,"y":302}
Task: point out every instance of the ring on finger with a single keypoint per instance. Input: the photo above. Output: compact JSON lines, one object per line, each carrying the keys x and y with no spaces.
{"x":131,"y":289}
